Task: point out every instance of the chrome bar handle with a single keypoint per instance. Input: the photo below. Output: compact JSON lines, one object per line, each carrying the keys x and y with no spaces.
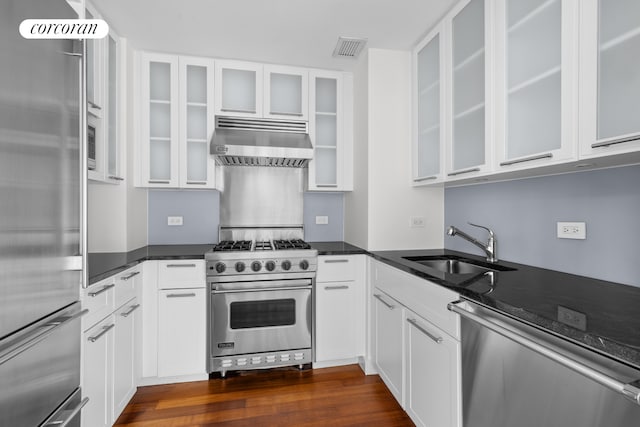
{"x":622,"y":140}
{"x":238,"y":110}
{"x":463,"y":172}
{"x":326,"y":185}
{"x":282,"y":113}
{"x":335,"y":261}
{"x":158,"y":181}
{"x":180,"y":265}
{"x":131,"y":310}
{"x":135,"y":273}
{"x":527,"y":159}
{"x":189,"y":295}
{"x":630,"y":390}
{"x":379,"y":298}
{"x":71,"y":413}
{"x":105,"y":288}
{"x":335,"y":288}
{"x":197,"y":182}
{"x":93,"y":105}
{"x":104,"y":330}
{"x":426,"y":178}
{"x":116,"y":178}
{"x":419,"y":327}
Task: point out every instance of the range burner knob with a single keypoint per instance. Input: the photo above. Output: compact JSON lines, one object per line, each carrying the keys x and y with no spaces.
{"x":256,"y":266}
{"x":240,"y":266}
{"x":286,"y":265}
{"x":220,"y":267}
{"x":304,"y":264}
{"x":270,"y":265}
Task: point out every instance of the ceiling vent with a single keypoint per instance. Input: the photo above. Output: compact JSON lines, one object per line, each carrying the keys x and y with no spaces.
{"x":349,"y":47}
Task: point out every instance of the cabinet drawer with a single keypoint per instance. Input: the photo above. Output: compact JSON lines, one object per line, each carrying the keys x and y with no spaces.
{"x":426,"y":299}
{"x":99,"y":300}
{"x":125,"y":286}
{"x":184,"y":273}
{"x":336,"y":268}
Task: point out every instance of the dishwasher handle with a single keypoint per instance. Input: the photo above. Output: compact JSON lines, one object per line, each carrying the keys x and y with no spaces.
{"x":629,"y":390}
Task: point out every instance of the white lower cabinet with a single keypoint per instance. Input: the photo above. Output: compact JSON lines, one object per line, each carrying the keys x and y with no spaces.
{"x":97,"y":345}
{"x":182,"y":328}
{"x":389,"y":342}
{"x":125,"y":375}
{"x":416,"y":345}
{"x":432,"y":374}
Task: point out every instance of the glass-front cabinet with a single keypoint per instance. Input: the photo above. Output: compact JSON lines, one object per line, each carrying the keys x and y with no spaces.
{"x":468,"y":151}
{"x":328,"y":106}
{"x":610,"y":86}
{"x":238,"y":89}
{"x":113,"y":134}
{"x":197,"y":167}
{"x":177,"y":121}
{"x":286,"y":93}
{"x":429,"y":101}
{"x":536,"y":82}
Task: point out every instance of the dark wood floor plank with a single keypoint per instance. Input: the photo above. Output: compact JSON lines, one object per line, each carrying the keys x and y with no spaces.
{"x":341,"y":396}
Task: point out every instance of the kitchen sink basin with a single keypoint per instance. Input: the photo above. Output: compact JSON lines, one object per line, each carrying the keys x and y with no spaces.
{"x":452,"y":264}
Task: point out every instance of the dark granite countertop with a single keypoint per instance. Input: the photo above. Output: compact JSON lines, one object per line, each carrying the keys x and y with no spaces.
{"x":534,"y":295}
{"x":336,"y":248}
{"x":105,"y":264}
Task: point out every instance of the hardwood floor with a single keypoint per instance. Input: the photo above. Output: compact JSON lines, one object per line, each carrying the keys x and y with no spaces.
{"x":340,"y":396}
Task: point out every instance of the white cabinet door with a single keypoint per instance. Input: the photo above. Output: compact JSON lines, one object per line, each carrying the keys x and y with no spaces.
{"x":181,"y":332}
{"x":469,"y":118}
{"x":610,"y":87}
{"x":339,"y":320}
{"x":159,"y":136}
{"x":429,"y":102}
{"x":330,"y":130}
{"x":432,"y":374}
{"x":286,"y":93}
{"x":196,"y":124}
{"x":97,"y":368}
{"x":238,"y":89}
{"x":124,"y":356}
{"x":536,"y":76}
{"x":389,"y":343}
{"x":113,"y":135}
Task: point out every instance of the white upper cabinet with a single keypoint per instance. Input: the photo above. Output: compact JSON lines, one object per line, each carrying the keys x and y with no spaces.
{"x":196,"y":124}
{"x":176,"y":122}
{"x":330,"y":129}
{"x":468,"y":152}
{"x":238,"y":89}
{"x":610,"y":86}
{"x":429,"y":103}
{"x":286,"y":93}
{"x":114,"y":134}
{"x":536,"y":82}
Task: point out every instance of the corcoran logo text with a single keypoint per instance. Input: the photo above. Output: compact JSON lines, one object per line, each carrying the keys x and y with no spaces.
{"x":64,"y":29}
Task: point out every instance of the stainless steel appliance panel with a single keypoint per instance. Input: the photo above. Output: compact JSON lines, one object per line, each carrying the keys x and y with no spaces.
{"x":260,"y":321}
{"x":506,"y":384}
{"x":261,"y":196}
{"x":39,"y":168}
{"x":68,"y":414}
{"x":40,"y":368}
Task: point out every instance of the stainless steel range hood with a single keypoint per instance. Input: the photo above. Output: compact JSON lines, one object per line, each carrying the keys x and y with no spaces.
{"x":261,"y":142}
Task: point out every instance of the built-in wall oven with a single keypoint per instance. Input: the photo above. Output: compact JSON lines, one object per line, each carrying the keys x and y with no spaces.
{"x":260,"y":307}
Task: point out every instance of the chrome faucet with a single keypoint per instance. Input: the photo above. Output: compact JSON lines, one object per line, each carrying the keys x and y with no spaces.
{"x":489,"y":248}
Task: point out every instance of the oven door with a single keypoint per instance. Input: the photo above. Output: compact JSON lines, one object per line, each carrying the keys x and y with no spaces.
{"x":256,"y":321}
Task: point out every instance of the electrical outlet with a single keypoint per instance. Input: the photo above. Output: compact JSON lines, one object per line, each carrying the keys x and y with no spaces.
{"x":174,"y":220}
{"x":322,"y":220}
{"x":572,"y":230}
{"x":417,"y":221}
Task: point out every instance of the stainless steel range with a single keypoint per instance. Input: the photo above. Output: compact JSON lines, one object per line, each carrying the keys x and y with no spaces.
{"x":260,"y":313}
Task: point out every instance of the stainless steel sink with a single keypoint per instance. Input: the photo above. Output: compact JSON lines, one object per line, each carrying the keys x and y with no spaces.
{"x":452,"y":264}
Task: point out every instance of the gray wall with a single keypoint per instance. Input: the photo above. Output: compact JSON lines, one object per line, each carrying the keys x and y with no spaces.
{"x":329,"y":204}
{"x":200,"y":210}
{"x":524,"y":213}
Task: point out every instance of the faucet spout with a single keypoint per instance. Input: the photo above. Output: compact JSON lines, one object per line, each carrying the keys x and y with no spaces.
{"x":489,"y":248}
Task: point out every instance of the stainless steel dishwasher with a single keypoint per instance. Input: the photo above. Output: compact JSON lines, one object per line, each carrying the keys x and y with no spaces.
{"x":514,"y":374}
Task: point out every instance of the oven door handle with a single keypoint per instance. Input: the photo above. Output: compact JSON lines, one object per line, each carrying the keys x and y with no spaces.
{"x":263,"y":285}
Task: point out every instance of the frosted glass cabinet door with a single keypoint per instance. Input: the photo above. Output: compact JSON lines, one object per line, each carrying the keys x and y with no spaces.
{"x":429,"y":94}
{"x":159,"y":82}
{"x":540,"y":47}
{"x":325,"y":131}
{"x":468,"y":149}
{"x":238,"y":89}
{"x":113,"y":82}
{"x":286,"y":93}
{"x":196,"y":122}
{"x":611,"y":34}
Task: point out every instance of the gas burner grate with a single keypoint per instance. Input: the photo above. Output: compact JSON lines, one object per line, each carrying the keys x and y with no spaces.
{"x":291,"y":244}
{"x":264,"y":245}
{"x":233,"y":245}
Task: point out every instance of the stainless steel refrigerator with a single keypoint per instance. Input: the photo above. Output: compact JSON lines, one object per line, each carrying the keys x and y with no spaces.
{"x":40,"y":215}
